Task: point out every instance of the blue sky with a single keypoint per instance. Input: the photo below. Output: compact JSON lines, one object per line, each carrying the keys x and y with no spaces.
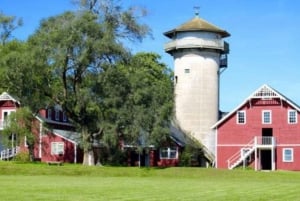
{"x":264,"y":41}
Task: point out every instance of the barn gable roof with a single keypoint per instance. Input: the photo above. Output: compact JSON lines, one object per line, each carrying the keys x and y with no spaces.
{"x":264,"y":92}
{"x":5,"y":97}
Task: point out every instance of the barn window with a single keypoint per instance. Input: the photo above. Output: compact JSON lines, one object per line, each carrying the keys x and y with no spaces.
{"x":292,"y":116}
{"x":241,"y":117}
{"x":266,"y":117}
{"x":288,"y":155}
{"x":57,"y":148}
{"x":168,"y":153}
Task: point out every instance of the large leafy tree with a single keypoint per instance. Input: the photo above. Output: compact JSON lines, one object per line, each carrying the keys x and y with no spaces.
{"x":137,"y":103}
{"x":72,"y":49}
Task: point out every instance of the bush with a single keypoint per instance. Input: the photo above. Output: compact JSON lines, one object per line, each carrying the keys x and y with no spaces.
{"x":22,"y":157}
{"x":191,"y":156}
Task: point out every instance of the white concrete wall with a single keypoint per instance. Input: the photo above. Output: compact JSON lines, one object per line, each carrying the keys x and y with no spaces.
{"x":197,"y":93}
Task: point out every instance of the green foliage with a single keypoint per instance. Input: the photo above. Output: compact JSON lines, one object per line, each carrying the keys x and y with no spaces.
{"x":22,"y":157}
{"x":137,"y":100}
{"x":7,"y":25}
{"x":191,"y":156}
{"x":78,"y":60}
{"x":19,"y":125}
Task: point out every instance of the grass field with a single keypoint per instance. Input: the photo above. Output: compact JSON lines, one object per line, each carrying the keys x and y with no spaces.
{"x":32,"y":182}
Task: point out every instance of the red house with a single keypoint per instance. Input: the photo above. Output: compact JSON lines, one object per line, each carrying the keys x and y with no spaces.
{"x":55,"y":138}
{"x":263,"y":133}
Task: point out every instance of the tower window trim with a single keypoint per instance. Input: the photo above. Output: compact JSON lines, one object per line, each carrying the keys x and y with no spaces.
{"x":187,"y":70}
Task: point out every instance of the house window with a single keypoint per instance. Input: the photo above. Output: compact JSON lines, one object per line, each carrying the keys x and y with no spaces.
{"x":266,"y":117}
{"x":168,"y":153}
{"x":187,"y":70}
{"x":287,"y":155}
{"x":56,"y":115}
{"x":49,"y":116}
{"x":292,"y":116}
{"x":57,"y":148}
{"x":64,"y":117}
{"x":241,"y":117}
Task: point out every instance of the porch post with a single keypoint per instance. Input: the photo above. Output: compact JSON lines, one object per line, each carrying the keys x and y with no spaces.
{"x":255,"y":158}
{"x":255,"y":152}
{"x":273,"y":159}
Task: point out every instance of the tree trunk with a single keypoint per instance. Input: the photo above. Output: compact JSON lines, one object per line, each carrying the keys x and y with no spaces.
{"x":88,"y":158}
{"x":88,"y":154}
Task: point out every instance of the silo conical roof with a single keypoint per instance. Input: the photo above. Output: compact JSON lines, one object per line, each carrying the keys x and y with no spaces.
{"x":197,"y":24}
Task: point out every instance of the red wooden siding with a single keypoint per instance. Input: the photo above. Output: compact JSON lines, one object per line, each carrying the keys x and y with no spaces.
{"x":231,"y":137}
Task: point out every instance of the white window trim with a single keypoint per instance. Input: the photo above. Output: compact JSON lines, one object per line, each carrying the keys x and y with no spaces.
{"x":187,"y":70}
{"x":263,"y":115}
{"x":169,"y":150}
{"x":284,"y":156}
{"x":296,"y":117}
{"x":237,"y":116}
{"x":55,"y":148}
{"x":5,"y":119}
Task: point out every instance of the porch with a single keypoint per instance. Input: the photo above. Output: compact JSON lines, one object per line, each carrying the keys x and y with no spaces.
{"x":263,"y":150}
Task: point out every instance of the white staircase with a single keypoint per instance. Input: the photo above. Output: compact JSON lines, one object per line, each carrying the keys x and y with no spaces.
{"x":266,"y":142}
{"x":7,"y":154}
{"x":241,"y":155}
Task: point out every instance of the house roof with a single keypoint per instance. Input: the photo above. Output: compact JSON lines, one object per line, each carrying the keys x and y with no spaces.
{"x":197,"y":24}
{"x":264,"y":92}
{"x":5,"y":96}
{"x":49,"y":121}
{"x":177,"y":136}
{"x":71,"y":136}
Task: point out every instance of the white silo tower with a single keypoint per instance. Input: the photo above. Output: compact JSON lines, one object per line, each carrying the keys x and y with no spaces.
{"x":200,"y":54}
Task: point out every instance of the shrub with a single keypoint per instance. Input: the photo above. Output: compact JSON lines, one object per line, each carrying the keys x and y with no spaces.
{"x":22,"y":157}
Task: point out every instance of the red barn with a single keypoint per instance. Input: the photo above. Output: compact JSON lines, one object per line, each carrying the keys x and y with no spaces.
{"x":263,"y":133}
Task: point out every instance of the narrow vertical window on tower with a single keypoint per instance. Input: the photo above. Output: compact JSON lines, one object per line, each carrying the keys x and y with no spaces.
{"x":241,"y":117}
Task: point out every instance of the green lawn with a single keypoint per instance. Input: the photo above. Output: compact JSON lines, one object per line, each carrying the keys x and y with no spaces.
{"x":32,"y":182}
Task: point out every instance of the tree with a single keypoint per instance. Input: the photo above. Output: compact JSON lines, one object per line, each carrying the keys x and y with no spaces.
{"x":7,"y":25}
{"x":137,"y":101}
{"x":73,"y":49}
{"x":19,"y":127}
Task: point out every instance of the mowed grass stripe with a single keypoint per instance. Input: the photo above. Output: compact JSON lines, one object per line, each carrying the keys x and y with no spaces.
{"x":74,"y":182}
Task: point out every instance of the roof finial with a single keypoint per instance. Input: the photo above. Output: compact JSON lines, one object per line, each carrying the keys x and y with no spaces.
{"x":196,"y":9}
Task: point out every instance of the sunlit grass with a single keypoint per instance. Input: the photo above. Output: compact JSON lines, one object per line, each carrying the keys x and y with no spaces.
{"x":24,"y":182}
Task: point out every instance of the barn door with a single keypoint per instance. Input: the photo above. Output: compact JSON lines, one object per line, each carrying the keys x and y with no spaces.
{"x":266,"y":155}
